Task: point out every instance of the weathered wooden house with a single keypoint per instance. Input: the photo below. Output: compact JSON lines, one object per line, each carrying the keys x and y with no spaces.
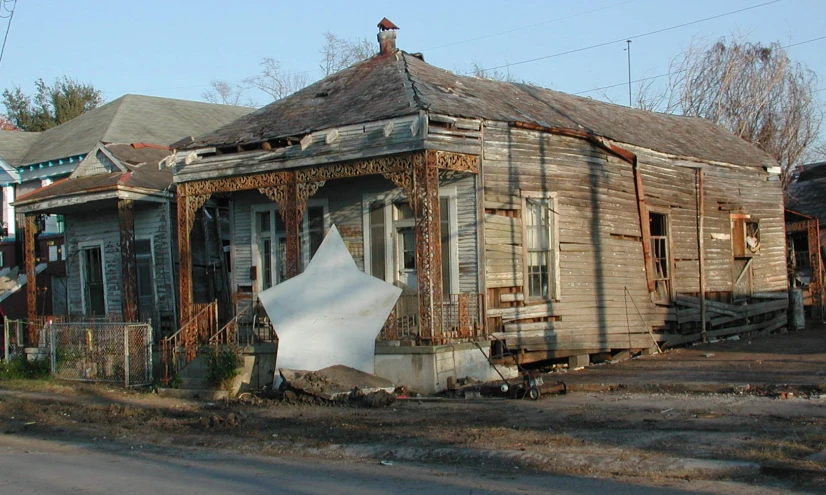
{"x":561,"y":226}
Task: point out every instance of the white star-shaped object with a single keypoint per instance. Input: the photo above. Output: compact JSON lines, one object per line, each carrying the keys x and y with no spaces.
{"x":331,"y":313}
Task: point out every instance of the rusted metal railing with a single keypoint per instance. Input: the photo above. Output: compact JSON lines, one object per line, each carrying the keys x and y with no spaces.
{"x":462,"y":317}
{"x":181,"y":348}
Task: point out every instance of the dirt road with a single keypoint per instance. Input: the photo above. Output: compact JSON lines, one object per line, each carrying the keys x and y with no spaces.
{"x":767,"y":432}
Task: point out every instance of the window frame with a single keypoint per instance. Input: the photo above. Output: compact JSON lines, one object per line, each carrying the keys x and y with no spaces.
{"x":555,"y":292}
{"x":304,"y":237}
{"x":669,"y":245}
{"x":88,"y":245}
{"x":389,"y":199}
{"x":153,"y":284}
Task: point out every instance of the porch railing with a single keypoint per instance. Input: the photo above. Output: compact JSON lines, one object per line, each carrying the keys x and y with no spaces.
{"x":462,"y":319}
{"x":181,"y":348}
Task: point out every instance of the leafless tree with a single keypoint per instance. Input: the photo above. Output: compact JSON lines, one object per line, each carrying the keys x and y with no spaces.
{"x":756,"y":91}
{"x":338,"y":53}
{"x":224,"y":93}
{"x":275,"y":81}
{"x":476,"y":70}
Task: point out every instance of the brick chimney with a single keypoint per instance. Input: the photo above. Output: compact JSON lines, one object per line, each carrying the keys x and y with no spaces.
{"x":387,"y":37}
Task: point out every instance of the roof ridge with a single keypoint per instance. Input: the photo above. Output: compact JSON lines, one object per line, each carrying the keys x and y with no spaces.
{"x":417,"y":100}
{"x":120,"y":101}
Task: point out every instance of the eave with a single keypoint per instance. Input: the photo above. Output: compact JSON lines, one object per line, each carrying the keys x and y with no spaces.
{"x":91,"y":196}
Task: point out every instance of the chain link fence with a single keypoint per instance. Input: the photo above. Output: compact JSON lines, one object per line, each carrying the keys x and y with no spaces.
{"x":102,"y":352}
{"x":14,"y":338}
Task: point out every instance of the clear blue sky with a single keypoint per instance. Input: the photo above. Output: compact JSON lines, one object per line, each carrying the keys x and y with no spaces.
{"x":175,"y":48}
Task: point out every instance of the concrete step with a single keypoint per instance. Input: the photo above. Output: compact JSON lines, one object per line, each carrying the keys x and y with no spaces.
{"x":189,"y":393}
{"x":194,"y":383}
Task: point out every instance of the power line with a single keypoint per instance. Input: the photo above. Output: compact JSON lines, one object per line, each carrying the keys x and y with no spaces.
{"x":624,"y":38}
{"x":650,"y":78}
{"x":522,"y":28}
{"x":8,"y":27}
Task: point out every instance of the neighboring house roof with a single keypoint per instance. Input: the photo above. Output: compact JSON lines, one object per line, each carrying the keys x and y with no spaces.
{"x":137,"y":169}
{"x":15,"y":144}
{"x":387,"y":86}
{"x":807,"y":193}
{"x":128,"y":119}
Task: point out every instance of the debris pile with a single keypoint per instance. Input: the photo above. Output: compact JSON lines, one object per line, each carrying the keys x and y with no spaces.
{"x":335,"y":384}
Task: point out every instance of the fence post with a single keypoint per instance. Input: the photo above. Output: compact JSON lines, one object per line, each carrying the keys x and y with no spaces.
{"x":52,"y":349}
{"x":6,"y":339}
{"x":126,"y":354}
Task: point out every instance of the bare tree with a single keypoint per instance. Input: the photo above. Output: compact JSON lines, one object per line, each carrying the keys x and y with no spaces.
{"x":756,"y":91}
{"x":476,"y":70}
{"x":224,"y":93}
{"x":275,"y":81}
{"x":338,"y":53}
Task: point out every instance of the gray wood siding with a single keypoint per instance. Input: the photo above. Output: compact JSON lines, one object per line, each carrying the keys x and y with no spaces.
{"x":604,"y":301}
{"x":151,"y":222}
{"x":467,"y":223}
{"x":97,"y":227}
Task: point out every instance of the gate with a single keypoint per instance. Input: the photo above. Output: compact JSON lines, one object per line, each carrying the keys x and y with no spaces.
{"x":102,"y":352}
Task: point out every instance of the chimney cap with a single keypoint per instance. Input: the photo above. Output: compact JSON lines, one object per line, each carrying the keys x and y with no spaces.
{"x":386,"y":25}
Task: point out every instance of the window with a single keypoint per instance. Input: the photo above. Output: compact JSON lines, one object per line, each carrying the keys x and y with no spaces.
{"x":143,"y":259}
{"x":540,"y":247}
{"x":92,"y":281}
{"x":377,"y":234}
{"x":660,"y":255}
{"x":270,"y":240}
{"x":390,"y":240}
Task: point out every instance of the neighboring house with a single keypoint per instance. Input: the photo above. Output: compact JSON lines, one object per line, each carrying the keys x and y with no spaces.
{"x":42,"y":158}
{"x":805,"y":216}
{"x":562,"y":226}
{"x":116,"y":207}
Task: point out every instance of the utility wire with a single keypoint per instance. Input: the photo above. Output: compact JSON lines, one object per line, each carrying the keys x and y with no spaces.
{"x":683,"y":70}
{"x":8,"y":28}
{"x":522,"y":28}
{"x":624,"y":38}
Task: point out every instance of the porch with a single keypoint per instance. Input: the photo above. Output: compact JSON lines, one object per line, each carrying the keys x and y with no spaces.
{"x":409,"y":219}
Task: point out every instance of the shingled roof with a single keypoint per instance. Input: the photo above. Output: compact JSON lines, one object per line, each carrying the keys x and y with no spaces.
{"x":128,"y":119}
{"x":142,"y":173}
{"x":397,"y":84}
{"x":807,"y":193}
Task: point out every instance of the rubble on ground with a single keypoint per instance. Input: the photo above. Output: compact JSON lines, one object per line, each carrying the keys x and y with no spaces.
{"x":335,"y":384}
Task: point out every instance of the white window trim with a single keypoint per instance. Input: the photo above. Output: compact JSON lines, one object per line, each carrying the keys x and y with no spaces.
{"x":304,"y":240}
{"x":552,"y":198}
{"x":151,"y":240}
{"x":390,"y":249}
{"x":81,"y":246}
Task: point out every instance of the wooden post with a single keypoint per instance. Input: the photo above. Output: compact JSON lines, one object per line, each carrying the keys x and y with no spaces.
{"x":816,"y":284}
{"x":645,"y":228}
{"x":129,"y":265}
{"x":292,"y":212}
{"x":701,"y":249}
{"x":188,"y":205}
{"x":31,"y":266}
{"x":425,"y":204}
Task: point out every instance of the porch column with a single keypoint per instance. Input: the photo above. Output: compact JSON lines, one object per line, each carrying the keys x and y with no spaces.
{"x":188,"y":205}
{"x":425,"y":204}
{"x":292,"y":212}
{"x":816,"y":285}
{"x":129,"y":268}
{"x":30,"y":229}
{"x":291,"y":198}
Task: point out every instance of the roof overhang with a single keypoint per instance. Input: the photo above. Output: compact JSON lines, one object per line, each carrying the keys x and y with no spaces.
{"x":86,"y":199}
